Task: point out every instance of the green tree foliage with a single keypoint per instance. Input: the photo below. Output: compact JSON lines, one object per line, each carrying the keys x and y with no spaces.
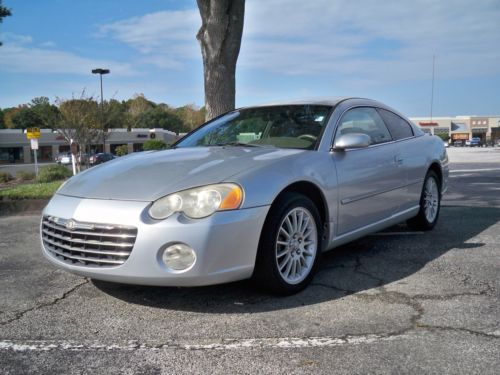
{"x":2,"y":121}
{"x":48,"y":114}
{"x":4,"y":12}
{"x":114,"y":114}
{"x":26,"y":117}
{"x":8,"y":114}
{"x":190,"y":116}
{"x":161,"y":117}
{"x":444,"y":137}
{"x":154,"y":144}
{"x":39,"y":113}
{"x":80,"y":120}
{"x":134,"y":108}
{"x":137,"y":112}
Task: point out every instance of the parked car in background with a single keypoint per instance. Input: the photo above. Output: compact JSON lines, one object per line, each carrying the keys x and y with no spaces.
{"x":446,"y":144}
{"x":259,"y":192}
{"x":458,"y":143}
{"x":63,"y":158}
{"x":100,"y":158}
{"x":467,"y":142}
{"x":82,"y":158}
{"x":475,"y":142}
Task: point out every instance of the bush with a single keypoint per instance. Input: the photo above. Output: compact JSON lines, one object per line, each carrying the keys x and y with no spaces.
{"x":154,"y":144}
{"x":25,"y":175}
{"x":444,"y":137}
{"x":5,"y":177}
{"x":53,"y":173}
{"x":121,"y":150}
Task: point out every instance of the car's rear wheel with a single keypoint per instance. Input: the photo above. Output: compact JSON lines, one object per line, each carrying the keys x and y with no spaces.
{"x":430,"y":204}
{"x":290,"y":245}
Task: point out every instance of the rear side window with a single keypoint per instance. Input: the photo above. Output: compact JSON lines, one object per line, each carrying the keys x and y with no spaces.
{"x":364,"y":120}
{"x":399,"y":127}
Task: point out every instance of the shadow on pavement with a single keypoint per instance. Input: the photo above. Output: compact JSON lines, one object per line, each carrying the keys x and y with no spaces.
{"x":368,"y":263}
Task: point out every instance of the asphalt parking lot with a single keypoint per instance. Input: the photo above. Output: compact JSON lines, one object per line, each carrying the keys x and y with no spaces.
{"x":394,"y":302}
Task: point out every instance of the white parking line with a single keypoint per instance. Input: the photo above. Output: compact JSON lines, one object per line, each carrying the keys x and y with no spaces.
{"x":284,"y":342}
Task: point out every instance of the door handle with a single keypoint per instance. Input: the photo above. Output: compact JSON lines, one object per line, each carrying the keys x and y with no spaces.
{"x":398,"y":159}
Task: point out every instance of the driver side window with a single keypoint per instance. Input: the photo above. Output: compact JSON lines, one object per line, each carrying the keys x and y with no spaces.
{"x":364,"y":120}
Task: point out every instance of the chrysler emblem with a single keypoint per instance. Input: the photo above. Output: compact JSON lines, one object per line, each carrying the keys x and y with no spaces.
{"x":71,"y":225}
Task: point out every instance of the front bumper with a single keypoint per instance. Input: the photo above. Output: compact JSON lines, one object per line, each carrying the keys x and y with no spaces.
{"x":225,"y":243}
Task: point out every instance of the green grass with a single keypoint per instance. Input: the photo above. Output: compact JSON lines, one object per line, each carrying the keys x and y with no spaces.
{"x":34,"y":190}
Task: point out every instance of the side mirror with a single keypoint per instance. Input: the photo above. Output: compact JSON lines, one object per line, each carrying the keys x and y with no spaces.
{"x":351,"y":140}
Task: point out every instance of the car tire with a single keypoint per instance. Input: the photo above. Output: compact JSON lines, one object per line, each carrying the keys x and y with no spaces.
{"x":290,"y":246}
{"x":430,"y":204}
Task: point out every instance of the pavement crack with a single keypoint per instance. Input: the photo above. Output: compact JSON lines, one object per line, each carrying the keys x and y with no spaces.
{"x":430,"y":327}
{"x":323,"y":285}
{"x":21,"y":314}
{"x":357,"y":269}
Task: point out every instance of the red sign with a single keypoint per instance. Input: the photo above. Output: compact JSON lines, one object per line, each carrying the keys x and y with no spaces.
{"x":428,"y":123}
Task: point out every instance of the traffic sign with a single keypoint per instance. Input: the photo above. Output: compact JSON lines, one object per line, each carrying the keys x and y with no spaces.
{"x":34,"y":143}
{"x":33,"y":133}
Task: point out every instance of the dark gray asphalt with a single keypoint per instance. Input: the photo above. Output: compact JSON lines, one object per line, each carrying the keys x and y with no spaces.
{"x":394,"y":302}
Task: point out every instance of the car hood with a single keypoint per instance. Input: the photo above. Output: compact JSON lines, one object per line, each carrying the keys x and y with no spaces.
{"x":147,"y":176}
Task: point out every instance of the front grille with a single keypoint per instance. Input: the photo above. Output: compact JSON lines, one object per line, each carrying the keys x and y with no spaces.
{"x":87,"y":244}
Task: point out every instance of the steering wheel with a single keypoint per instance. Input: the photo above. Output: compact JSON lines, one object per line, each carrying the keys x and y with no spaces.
{"x":308,"y":137}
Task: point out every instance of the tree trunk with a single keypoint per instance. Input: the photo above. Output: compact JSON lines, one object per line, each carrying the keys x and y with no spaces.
{"x":220,"y":40}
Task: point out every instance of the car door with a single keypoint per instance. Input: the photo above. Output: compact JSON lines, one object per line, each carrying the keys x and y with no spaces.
{"x":368,"y":178}
{"x":411,"y":158}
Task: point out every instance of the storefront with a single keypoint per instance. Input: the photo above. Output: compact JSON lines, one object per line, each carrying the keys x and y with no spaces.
{"x":495,"y":134}
{"x":480,"y":133}
{"x":11,"y":155}
{"x":459,"y":138}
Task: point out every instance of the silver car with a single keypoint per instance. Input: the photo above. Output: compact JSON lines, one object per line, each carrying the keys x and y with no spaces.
{"x":259,"y":192}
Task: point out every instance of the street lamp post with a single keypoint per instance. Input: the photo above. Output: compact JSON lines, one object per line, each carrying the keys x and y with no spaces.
{"x":101,"y":71}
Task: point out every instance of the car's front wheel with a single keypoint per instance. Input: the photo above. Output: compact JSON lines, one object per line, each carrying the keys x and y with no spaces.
{"x":290,"y":245}
{"x":430,"y":204}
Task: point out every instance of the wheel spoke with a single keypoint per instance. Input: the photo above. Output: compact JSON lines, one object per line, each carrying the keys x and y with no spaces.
{"x":304,"y":225}
{"x":282,"y":252}
{"x":294,"y":221}
{"x":294,"y":268}
{"x":285,"y":262}
{"x":288,"y":267}
{"x":282,"y":230}
{"x":291,"y":229}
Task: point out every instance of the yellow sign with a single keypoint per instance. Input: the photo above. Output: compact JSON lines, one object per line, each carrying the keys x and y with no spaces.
{"x":32,"y":133}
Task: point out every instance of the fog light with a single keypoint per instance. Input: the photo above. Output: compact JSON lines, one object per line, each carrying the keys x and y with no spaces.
{"x":179,"y":257}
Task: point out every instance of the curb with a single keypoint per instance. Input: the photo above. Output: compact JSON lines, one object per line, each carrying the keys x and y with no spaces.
{"x":22,"y":206}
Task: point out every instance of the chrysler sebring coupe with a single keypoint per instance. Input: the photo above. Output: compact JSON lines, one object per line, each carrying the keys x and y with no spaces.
{"x":259,"y":192}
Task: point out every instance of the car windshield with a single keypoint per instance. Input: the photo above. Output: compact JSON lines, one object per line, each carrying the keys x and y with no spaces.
{"x":287,"y":126}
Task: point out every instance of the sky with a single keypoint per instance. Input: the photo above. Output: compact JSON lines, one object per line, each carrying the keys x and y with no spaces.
{"x":290,"y":49}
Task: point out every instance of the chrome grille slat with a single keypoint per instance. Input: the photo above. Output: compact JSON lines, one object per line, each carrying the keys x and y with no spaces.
{"x":81,"y":250}
{"x":87,"y":244}
{"x":91,"y":242}
{"x":58,"y":227}
{"x":88,"y":259}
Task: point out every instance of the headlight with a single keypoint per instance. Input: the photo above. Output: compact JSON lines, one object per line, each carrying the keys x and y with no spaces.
{"x":198,"y":202}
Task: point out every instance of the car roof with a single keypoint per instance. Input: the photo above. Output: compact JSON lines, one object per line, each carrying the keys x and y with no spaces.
{"x":331,"y":101}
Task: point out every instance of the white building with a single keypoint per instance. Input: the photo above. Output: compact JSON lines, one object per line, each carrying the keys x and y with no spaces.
{"x":15,"y":147}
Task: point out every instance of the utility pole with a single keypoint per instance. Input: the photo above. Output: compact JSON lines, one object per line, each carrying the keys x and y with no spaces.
{"x":101,"y":71}
{"x":432,"y":87}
